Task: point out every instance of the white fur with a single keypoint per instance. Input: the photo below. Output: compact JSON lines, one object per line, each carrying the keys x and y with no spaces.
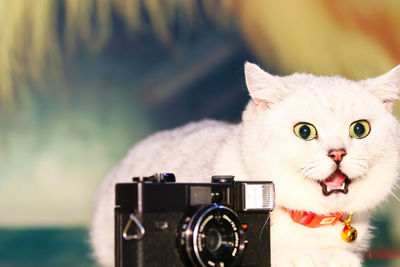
{"x":264,"y":147}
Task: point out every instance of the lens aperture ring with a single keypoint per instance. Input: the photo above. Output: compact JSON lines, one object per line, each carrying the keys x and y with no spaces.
{"x":214,"y":237}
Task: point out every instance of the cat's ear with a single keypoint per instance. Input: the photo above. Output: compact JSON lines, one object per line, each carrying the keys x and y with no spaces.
{"x":386,"y":87}
{"x":264,"y":88}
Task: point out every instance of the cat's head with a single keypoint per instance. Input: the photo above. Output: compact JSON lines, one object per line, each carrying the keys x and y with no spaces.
{"x":328,"y":143}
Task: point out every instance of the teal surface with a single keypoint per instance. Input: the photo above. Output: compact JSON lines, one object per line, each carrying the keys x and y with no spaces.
{"x":66,"y":247}
{"x":45,"y":248}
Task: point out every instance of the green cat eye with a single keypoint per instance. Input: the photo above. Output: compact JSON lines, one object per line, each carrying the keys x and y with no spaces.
{"x":305,"y":131}
{"x":360,"y":129}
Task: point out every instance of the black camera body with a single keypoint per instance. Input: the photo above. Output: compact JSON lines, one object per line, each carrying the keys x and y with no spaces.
{"x":162,"y":223}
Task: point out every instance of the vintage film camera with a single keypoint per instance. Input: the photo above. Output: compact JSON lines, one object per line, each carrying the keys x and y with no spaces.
{"x":162,"y":223}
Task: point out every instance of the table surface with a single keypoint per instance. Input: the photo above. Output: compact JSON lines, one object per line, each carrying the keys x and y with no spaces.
{"x":69,"y":247}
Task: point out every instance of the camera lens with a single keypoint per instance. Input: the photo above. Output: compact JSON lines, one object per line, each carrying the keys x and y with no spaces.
{"x":212,"y":236}
{"x":213,"y":240}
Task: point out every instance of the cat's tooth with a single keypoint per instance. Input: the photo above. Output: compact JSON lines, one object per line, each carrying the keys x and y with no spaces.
{"x":343,"y":186}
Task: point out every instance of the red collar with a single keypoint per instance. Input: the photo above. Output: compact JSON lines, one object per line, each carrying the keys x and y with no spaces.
{"x":313,"y":220}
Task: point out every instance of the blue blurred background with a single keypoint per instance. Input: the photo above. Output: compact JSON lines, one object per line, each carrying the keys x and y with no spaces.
{"x":82,"y":81}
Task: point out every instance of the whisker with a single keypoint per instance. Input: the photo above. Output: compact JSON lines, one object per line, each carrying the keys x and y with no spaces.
{"x":307,"y":165}
{"x":396,"y":185}
{"x":312,"y":161}
{"x":395,"y":196}
{"x":265,"y":224}
{"x":307,"y":168}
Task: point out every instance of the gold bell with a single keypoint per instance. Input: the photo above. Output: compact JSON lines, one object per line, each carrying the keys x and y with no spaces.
{"x":349,"y":233}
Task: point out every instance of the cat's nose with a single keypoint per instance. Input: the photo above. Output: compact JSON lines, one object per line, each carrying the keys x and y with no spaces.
{"x":337,"y":155}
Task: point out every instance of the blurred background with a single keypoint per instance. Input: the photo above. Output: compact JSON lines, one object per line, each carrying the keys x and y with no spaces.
{"x":82,"y":81}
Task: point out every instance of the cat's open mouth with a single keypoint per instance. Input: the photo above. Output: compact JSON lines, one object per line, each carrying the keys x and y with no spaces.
{"x":337,"y":182}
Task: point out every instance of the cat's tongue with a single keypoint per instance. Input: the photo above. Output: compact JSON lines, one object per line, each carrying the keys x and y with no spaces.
{"x":336,"y":180}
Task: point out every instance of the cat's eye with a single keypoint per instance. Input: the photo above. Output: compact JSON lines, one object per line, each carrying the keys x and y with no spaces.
{"x":360,"y":129}
{"x":305,"y":131}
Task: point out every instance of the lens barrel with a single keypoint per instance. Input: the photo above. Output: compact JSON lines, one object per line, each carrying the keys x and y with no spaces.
{"x":212,"y":236}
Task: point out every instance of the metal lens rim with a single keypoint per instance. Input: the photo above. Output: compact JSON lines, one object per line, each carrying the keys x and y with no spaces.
{"x":193,"y":234}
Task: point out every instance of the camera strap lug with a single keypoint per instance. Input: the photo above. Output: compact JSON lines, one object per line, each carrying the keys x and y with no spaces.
{"x":140,"y":233}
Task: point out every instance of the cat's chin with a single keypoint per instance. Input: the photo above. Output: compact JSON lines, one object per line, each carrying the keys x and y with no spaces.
{"x":337,"y":182}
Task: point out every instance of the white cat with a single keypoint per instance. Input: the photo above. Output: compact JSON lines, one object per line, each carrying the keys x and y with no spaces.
{"x":330,"y":145}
